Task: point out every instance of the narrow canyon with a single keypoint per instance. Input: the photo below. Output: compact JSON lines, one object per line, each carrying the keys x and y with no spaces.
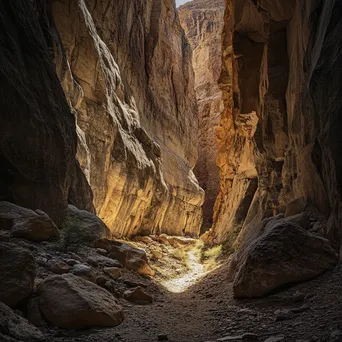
{"x":169,"y":170}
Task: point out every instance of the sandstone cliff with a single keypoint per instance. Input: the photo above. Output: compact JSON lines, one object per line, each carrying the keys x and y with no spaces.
{"x":126,"y":70}
{"x":278,"y":140}
{"x":202,"y":21}
{"x":37,"y":130}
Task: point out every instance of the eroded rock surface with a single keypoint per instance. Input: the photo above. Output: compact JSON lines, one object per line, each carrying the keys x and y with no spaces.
{"x":126,"y":70}
{"x":16,"y":328}
{"x":278,"y":137}
{"x":18,"y":271}
{"x":37,"y":130}
{"x":202,"y":21}
{"x":284,"y":254}
{"x":72,"y":302}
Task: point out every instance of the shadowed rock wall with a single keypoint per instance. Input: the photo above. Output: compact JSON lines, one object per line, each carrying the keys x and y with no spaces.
{"x":37,"y":129}
{"x":202,"y":21}
{"x":279,"y":140}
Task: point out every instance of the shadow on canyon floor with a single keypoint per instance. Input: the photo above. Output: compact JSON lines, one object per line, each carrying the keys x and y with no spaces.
{"x":207,"y":311}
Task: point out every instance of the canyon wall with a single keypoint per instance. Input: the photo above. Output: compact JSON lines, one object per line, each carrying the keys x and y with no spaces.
{"x":126,"y":71}
{"x":278,"y":137}
{"x":128,"y":113}
{"x":37,"y":130}
{"x":202,"y":21}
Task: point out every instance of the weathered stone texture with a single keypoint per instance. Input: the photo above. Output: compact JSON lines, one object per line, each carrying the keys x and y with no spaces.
{"x":279,"y":137}
{"x":202,"y":21}
{"x":126,"y":69}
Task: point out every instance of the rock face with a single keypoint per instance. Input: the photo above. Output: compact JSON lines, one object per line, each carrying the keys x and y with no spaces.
{"x":71,"y":302}
{"x":126,"y":71}
{"x":37,"y":129}
{"x":82,"y":227}
{"x":284,"y":253}
{"x":279,"y":132}
{"x":202,"y":21}
{"x":17,"y":328}
{"x":18,"y":270}
{"x":27,"y":224}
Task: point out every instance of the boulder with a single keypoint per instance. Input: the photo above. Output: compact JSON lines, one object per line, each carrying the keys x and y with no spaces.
{"x":71,"y":302}
{"x":85,"y":272}
{"x":81,"y":226}
{"x":113,"y":272}
{"x":27,"y":224}
{"x":134,"y":259}
{"x":138,"y":296}
{"x":58,"y":266}
{"x":17,"y":273}
{"x":39,"y":228}
{"x":284,"y":253}
{"x":16,"y":327}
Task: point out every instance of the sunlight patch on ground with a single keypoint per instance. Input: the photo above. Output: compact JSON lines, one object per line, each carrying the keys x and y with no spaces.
{"x":195,"y":273}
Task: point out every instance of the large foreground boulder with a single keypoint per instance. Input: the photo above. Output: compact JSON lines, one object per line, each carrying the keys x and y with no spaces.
{"x":284,"y":253}
{"x":15,"y":328}
{"x":26,"y":223}
{"x":17,"y":273}
{"x":71,"y":302}
{"x":84,"y":227}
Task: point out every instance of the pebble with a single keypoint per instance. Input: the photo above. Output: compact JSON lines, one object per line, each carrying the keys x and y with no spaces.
{"x":163,"y":337}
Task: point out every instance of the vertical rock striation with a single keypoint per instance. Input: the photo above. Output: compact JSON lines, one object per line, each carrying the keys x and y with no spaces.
{"x":279,"y":136}
{"x":125,"y":67}
{"x":37,"y":129}
{"x":202,"y":21}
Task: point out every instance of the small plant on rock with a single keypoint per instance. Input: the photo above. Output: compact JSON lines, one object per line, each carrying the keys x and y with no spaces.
{"x":70,"y":234}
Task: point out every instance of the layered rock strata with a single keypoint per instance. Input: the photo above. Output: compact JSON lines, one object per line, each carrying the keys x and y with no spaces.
{"x":278,"y":140}
{"x":202,"y":21}
{"x":126,"y":70}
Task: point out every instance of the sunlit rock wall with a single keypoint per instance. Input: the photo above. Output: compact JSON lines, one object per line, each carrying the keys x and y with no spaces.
{"x":202,"y":21}
{"x":279,"y":135}
{"x":126,"y":69}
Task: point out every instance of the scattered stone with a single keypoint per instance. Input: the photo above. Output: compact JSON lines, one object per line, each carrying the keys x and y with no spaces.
{"x":101,"y":251}
{"x":85,"y":272}
{"x":71,"y":302}
{"x":298,"y":296}
{"x":84,"y":227}
{"x":4,"y":236}
{"x":72,"y":262}
{"x":243,"y":337}
{"x":41,"y":261}
{"x":16,"y":327}
{"x":17,"y":272}
{"x":144,"y":239}
{"x":92,"y":261}
{"x":138,"y":296}
{"x":163,"y":337}
{"x":101,"y":280}
{"x":113,"y":272}
{"x":163,"y":239}
{"x":336,"y":333}
{"x":157,"y":254}
{"x":58,"y":266}
{"x":275,"y":338}
{"x":283,"y":314}
{"x":284,"y":253}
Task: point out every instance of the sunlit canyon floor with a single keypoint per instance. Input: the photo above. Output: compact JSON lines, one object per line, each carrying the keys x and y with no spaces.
{"x":198,"y":306}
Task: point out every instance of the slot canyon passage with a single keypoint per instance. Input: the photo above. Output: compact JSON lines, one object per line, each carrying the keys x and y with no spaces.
{"x":170,"y":174}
